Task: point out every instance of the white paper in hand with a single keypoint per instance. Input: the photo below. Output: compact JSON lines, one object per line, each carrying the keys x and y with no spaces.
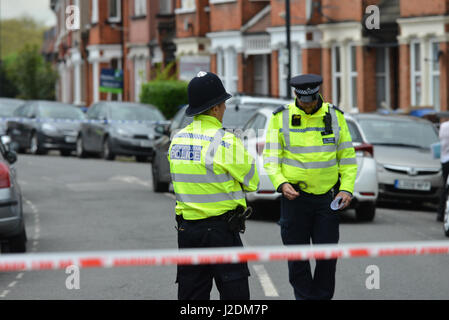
{"x":337,"y":204}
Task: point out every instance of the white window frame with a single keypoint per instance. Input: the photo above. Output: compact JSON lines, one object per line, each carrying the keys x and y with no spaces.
{"x":140,"y":74}
{"x":385,"y":74}
{"x":336,"y":97}
{"x":282,"y":61}
{"x":140,"y":8}
{"x":414,"y":73}
{"x":95,"y":12}
{"x":165,"y":6}
{"x":221,"y":65}
{"x":117,"y":18}
{"x":352,"y":74}
{"x":232,"y":70}
{"x":263,"y":77}
{"x":188,"y":4}
{"x":434,"y":73}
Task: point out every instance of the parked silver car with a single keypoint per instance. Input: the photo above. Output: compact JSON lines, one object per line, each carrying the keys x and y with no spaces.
{"x":405,"y":165}
{"x":13,"y":236}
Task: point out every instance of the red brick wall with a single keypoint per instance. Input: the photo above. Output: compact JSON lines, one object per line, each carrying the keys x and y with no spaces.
{"x":198,"y":20}
{"x":326,"y":58}
{"x":233,"y":15}
{"x":274,"y":87}
{"x":102,"y":32}
{"x":416,"y":8}
{"x":343,"y":10}
{"x":366,"y":79}
{"x":311,"y":61}
{"x":404,"y":76}
{"x":213,"y":63}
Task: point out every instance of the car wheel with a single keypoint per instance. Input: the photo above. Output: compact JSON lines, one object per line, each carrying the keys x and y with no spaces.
{"x":65,"y":153}
{"x":366,"y":211}
{"x":35,"y":147}
{"x":107,"y":153}
{"x":80,"y":152}
{"x":158,"y":186}
{"x":16,"y":244}
{"x":141,"y":158}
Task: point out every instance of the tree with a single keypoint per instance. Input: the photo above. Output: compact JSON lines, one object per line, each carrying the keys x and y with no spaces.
{"x":33,"y":77}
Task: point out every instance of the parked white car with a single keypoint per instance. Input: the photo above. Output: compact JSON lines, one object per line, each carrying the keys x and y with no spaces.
{"x":366,"y":185}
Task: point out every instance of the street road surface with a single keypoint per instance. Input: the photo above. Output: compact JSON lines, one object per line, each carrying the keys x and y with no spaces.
{"x":90,"y":205}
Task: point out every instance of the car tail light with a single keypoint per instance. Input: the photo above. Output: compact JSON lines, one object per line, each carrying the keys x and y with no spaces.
{"x":5,"y":181}
{"x":266,"y":191}
{"x":259,"y":147}
{"x":365,"y":149}
{"x":371,"y":194}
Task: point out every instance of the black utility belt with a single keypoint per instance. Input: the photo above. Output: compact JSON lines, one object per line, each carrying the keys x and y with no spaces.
{"x":235,"y":218}
{"x":298,"y":187}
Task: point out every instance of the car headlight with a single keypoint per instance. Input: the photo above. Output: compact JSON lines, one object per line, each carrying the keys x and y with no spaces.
{"x":48,"y":129}
{"x":123,"y":133}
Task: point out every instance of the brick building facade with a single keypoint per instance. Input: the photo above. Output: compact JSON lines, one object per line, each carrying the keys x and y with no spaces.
{"x":401,"y":65}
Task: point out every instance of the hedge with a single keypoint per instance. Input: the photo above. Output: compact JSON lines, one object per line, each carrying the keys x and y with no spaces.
{"x":167,"y":95}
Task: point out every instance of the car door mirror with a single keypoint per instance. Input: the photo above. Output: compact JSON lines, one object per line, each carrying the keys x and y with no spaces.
{"x":11,"y":157}
{"x":163,"y":129}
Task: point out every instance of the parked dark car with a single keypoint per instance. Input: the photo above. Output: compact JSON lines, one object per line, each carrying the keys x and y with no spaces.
{"x":239,"y":110}
{"x":119,"y":128}
{"x":7,"y":108}
{"x":13,"y":236}
{"x":41,"y":126}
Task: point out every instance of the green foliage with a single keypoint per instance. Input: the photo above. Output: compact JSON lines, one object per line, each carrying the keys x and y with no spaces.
{"x":168,"y":73}
{"x":167,"y":95}
{"x":18,"y":32}
{"x":32,"y":76}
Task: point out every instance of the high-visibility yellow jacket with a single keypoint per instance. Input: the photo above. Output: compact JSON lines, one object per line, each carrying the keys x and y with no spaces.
{"x":295,"y":153}
{"x":210,"y":170}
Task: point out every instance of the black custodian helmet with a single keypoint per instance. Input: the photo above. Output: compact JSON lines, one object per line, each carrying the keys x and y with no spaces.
{"x":205,"y":91}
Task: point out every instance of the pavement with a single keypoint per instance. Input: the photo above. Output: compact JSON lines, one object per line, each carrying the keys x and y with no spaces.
{"x":90,"y":205}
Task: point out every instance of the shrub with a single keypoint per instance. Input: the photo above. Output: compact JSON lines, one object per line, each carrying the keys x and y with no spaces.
{"x":167,"y":95}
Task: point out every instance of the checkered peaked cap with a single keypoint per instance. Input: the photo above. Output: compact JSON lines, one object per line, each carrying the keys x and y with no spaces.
{"x":307,"y":84}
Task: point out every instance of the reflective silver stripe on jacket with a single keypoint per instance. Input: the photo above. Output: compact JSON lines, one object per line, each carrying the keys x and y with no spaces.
{"x":210,"y":198}
{"x":348,"y":161}
{"x":201,"y":178}
{"x":309,"y":165}
{"x":345,"y":145}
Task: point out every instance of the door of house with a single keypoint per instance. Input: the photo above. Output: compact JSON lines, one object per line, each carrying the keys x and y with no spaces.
{"x":261,"y":75}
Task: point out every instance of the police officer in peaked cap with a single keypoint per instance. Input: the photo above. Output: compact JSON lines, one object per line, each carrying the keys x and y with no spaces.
{"x":210,"y":188}
{"x":310,"y":159}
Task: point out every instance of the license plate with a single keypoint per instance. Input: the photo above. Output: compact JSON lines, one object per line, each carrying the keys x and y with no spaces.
{"x":413,"y":185}
{"x":145,"y":144}
{"x":70,"y":139}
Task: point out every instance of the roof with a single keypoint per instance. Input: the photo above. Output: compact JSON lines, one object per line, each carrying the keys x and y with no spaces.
{"x":259,"y":23}
{"x":390,"y":117}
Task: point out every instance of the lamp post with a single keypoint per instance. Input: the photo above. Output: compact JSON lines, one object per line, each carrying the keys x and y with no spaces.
{"x":289,"y":64}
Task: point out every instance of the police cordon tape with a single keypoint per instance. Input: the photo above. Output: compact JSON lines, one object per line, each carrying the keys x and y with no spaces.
{"x":95,"y":121}
{"x":112,"y":259}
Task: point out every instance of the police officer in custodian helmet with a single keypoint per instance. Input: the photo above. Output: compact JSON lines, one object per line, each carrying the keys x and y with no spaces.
{"x":308,"y":154}
{"x":210,"y":170}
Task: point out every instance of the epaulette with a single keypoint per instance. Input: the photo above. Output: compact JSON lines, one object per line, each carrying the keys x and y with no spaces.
{"x":338,"y":109}
{"x":280,"y":109}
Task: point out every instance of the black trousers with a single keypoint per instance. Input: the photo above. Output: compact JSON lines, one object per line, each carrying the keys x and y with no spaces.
{"x":309,"y":218}
{"x":444,"y":190}
{"x":195,"y":282}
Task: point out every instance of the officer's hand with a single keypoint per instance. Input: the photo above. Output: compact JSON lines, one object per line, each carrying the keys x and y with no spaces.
{"x":345,"y":199}
{"x":289,"y":192}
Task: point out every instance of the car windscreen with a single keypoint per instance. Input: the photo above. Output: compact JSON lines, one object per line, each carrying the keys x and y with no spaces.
{"x":236,"y":118}
{"x":135,"y":113}
{"x":60,"y":111}
{"x":7,"y":108}
{"x":399,"y":133}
